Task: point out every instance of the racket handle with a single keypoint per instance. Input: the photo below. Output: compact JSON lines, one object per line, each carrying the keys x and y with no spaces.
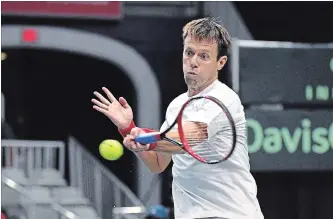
{"x":148,"y":138}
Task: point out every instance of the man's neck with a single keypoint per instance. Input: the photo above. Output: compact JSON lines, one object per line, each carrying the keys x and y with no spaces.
{"x":192,"y":91}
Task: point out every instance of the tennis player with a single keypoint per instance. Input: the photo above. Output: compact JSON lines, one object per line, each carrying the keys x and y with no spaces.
{"x":226,"y":190}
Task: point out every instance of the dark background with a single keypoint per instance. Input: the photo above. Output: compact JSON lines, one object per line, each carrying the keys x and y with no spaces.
{"x":48,"y":92}
{"x":284,"y":74}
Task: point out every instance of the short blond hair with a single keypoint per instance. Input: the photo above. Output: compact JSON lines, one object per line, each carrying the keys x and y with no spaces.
{"x":208,"y":29}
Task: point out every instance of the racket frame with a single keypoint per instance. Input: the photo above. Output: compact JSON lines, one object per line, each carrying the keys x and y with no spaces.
{"x":184,"y":143}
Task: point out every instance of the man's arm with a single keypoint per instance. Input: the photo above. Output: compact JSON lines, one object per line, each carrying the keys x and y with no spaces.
{"x":157,"y":162}
{"x":159,"y":159}
{"x":192,"y":130}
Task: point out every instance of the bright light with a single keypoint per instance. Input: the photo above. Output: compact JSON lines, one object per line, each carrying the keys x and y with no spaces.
{"x":70,"y":215}
{"x":3,"y":56}
{"x":29,"y":35}
{"x":11,"y":183}
{"x":129,"y":210}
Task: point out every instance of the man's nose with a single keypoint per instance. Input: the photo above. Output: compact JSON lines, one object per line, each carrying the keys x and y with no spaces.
{"x":194,"y":63}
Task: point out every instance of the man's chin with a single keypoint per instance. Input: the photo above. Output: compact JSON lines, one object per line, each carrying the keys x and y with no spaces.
{"x":191,"y":83}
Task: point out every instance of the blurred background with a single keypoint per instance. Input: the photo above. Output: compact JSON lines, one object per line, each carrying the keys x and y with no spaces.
{"x":54,"y":55}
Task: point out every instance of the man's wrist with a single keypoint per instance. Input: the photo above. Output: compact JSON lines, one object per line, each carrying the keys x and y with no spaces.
{"x":127,"y":130}
{"x":124,"y":132}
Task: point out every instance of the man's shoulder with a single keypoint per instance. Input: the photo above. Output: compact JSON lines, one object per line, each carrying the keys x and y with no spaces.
{"x":176,"y":104}
{"x":225,"y":94}
{"x":179,"y":100}
{"x":229,"y":98}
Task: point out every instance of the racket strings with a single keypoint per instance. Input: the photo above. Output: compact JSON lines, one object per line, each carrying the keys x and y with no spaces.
{"x":204,"y":147}
{"x":212,"y":141}
{"x":197,"y":134}
{"x":209,"y":148}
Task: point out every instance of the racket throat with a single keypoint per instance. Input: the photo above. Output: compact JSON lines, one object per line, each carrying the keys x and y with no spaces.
{"x":173,"y":141}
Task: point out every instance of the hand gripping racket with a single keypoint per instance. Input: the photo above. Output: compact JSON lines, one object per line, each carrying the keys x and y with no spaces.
{"x":209,"y":143}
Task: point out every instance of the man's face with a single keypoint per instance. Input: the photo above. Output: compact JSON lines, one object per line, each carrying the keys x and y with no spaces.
{"x":200,"y":64}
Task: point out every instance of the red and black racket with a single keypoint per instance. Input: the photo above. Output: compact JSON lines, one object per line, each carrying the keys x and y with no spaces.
{"x":209,"y":143}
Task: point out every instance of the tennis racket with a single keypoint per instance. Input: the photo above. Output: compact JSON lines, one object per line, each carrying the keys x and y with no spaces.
{"x":208,"y":143}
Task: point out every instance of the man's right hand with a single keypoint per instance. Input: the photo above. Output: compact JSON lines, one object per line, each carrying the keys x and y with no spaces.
{"x":119,"y":112}
{"x":131,"y":144}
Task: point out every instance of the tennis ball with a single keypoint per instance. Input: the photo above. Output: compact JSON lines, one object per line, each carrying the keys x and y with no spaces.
{"x":111,"y":149}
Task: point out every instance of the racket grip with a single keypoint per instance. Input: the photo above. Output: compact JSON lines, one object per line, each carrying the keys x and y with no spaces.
{"x":148,"y":138}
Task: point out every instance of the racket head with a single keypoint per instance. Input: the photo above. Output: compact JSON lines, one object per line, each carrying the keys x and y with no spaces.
{"x":209,"y":143}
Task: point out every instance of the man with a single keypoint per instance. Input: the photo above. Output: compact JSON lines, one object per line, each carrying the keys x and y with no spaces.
{"x":226,"y":190}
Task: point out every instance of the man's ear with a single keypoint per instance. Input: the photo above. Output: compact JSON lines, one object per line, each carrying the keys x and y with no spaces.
{"x":221,"y":62}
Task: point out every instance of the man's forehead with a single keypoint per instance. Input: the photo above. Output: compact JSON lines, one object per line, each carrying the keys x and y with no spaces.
{"x":200,"y":43}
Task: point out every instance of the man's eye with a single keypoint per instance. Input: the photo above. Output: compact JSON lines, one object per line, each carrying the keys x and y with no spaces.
{"x":188,"y":52}
{"x":204,"y":56}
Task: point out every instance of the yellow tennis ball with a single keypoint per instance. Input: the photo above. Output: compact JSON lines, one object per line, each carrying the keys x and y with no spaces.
{"x":111,"y":149}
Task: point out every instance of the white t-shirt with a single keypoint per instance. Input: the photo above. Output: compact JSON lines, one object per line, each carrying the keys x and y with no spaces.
{"x":227,"y":189}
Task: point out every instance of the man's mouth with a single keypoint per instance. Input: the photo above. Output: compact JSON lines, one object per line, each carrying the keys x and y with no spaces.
{"x":191,"y":73}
